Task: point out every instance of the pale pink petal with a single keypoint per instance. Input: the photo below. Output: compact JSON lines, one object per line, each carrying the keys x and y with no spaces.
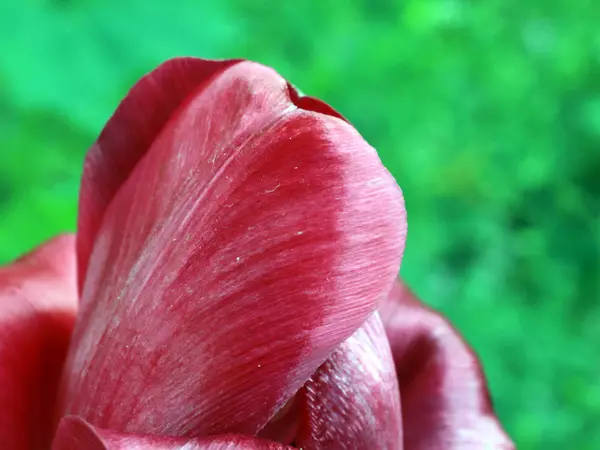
{"x":445,"y":400}
{"x":38,"y":297}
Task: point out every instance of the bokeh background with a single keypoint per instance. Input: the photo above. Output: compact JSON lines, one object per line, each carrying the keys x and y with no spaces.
{"x":487,"y":112}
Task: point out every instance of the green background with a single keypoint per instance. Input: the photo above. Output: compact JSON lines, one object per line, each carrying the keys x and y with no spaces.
{"x":487,"y":112}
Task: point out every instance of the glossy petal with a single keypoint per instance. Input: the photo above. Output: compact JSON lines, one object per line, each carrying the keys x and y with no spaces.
{"x":135,"y":125}
{"x":76,"y":434}
{"x":38,"y":297}
{"x":250,"y":241}
{"x":129,"y":134}
{"x":445,"y":401}
{"x":352,"y":401}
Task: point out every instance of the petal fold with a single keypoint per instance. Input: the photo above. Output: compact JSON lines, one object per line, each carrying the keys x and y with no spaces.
{"x":38,"y":298}
{"x":250,"y":241}
{"x":445,"y":401}
{"x":352,"y":401}
{"x":76,"y":434}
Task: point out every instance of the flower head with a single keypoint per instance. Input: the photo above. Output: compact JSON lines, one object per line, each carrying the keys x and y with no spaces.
{"x":229,"y":287}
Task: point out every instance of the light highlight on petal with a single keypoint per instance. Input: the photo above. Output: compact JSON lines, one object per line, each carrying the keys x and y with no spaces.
{"x":127,"y":137}
{"x":352,"y":402}
{"x":76,"y":434}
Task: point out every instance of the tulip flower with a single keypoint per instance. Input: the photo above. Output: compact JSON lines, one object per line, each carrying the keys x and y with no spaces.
{"x":232,"y":284}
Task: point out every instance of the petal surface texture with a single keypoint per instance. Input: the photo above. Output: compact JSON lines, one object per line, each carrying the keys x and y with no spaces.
{"x":445,"y":400}
{"x":127,"y":137}
{"x":76,"y":434}
{"x":352,"y":402}
{"x":251,"y":239}
{"x":38,"y":298}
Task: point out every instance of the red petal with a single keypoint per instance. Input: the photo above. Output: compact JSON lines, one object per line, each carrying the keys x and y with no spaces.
{"x":38,"y":297}
{"x":445,"y":401}
{"x":76,"y":434}
{"x":250,"y":241}
{"x":312,"y":104}
{"x":128,"y":135}
{"x":352,"y":401}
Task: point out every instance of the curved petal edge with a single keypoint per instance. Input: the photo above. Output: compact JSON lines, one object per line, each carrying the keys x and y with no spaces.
{"x":445,"y":400}
{"x":353,"y":401}
{"x":128,"y":135}
{"x":38,"y":299}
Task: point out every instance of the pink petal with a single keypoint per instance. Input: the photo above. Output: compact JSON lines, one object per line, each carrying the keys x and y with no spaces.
{"x":128,"y":135}
{"x":352,"y":401}
{"x":135,"y":125}
{"x":250,"y":241}
{"x":76,"y":434}
{"x":38,"y":297}
{"x":445,"y":400}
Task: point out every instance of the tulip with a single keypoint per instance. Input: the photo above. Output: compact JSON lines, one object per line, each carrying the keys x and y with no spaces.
{"x":232,"y":284}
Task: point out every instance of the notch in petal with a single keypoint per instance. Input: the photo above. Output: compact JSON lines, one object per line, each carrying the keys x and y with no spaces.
{"x":311,"y":103}
{"x":38,"y":298}
{"x":250,"y":241}
{"x":445,"y":400}
{"x":352,"y":401}
{"x":75,"y":433}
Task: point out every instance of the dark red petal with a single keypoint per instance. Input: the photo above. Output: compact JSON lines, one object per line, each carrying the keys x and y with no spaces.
{"x":250,"y":241}
{"x":445,"y":401}
{"x":352,"y":401}
{"x":76,"y":434}
{"x":38,"y":297}
{"x":312,"y":104}
{"x":127,"y":136}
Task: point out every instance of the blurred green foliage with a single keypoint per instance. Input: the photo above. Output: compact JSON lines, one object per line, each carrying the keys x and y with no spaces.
{"x":487,"y":113}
